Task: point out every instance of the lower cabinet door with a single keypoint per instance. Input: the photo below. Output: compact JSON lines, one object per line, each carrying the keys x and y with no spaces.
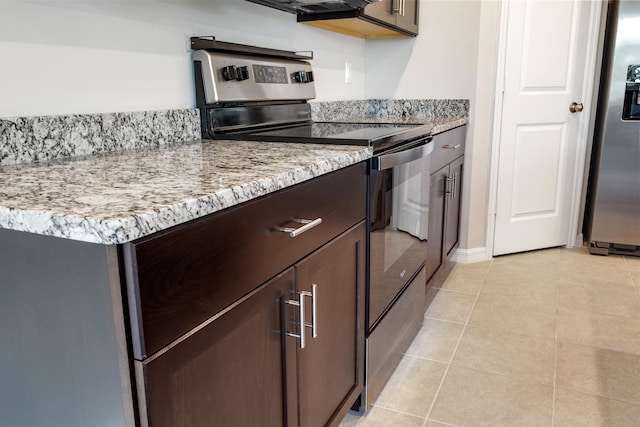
{"x":330,"y":370}
{"x":436,"y":221}
{"x":452,"y":231}
{"x":235,"y":371}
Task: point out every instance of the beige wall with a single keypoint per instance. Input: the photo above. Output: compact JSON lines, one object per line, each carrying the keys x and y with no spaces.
{"x":476,"y":186}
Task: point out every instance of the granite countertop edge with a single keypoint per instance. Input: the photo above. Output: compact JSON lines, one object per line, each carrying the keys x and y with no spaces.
{"x":121,"y":226}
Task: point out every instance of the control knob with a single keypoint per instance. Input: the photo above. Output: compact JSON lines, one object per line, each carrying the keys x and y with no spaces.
{"x":243,"y":73}
{"x":230,"y":72}
{"x":302,"y":76}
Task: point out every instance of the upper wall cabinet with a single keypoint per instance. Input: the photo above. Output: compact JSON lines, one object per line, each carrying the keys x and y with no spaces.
{"x":399,"y":15}
{"x":377,"y":20}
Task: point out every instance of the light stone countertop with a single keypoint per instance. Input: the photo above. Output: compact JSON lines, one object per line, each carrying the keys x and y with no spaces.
{"x":118,"y":197}
{"x":434,"y":124}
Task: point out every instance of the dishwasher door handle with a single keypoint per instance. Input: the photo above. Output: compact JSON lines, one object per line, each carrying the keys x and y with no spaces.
{"x":399,"y":157}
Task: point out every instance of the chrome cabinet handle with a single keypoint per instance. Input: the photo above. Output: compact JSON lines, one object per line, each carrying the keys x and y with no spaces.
{"x":301,"y":313}
{"x":453,"y":179}
{"x":300,"y":305}
{"x":308,"y":225}
{"x":313,"y":324}
{"x":450,"y":179}
{"x":451,"y":146}
{"x":397,"y":9}
{"x":455,"y":186}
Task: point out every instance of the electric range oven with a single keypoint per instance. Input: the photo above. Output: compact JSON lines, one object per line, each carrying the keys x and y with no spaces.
{"x":258,"y":94}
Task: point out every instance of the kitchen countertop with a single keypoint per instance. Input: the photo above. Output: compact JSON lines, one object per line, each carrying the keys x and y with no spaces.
{"x":122,"y":196}
{"x":117,"y":197}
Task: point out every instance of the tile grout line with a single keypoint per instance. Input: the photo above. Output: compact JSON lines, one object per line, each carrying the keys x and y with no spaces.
{"x":375,"y":405}
{"x":600,"y":395}
{"x":455,"y":349}
{"x":444,"y":321}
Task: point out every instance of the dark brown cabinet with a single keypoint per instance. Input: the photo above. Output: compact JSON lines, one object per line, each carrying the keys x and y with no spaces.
{"x":227,"y":298}
{"x":435,"y":253}
{"x":237,"y":370}
{"x":331,"y":366}
{"x":244,"y":369}
{"x":447,"y":163}
{"x":452,"y":222}
{"x":378,"y":20}
{"x":401,"y":14}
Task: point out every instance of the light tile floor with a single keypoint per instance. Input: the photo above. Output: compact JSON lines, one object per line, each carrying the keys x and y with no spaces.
{"x":544,"y":338}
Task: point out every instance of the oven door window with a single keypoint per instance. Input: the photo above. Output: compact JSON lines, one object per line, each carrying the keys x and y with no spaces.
{"x":399,"y":211}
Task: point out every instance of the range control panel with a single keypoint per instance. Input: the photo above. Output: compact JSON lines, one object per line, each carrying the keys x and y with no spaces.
{"x":229,"y":77}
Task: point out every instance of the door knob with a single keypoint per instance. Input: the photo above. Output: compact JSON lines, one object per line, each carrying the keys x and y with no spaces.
{"x":575,"y":107}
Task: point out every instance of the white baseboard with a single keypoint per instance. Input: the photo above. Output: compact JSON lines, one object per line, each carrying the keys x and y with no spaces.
{"x":466,"y":256}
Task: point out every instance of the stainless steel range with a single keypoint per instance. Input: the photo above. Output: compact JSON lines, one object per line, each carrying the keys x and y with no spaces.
{"x":250,"y":93}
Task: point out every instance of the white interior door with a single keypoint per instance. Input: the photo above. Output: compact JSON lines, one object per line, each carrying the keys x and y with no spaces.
{"x":546,"y":45}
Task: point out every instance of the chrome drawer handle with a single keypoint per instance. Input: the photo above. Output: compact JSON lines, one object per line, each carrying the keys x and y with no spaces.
{"x":451,"y":146}
{"x":308,"y":225}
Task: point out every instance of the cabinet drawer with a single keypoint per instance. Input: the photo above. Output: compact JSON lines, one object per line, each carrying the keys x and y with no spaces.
{"x":448,"y":146}
{"x":178,"y":278}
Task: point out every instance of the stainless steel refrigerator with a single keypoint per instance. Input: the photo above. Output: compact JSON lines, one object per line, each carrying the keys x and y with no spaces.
{"x":614,"y":188}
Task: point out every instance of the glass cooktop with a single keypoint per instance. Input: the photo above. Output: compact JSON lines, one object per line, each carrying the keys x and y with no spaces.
{"x":376,"y":135}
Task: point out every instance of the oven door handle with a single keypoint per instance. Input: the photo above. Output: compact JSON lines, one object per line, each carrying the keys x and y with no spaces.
{"x":404,"y":155}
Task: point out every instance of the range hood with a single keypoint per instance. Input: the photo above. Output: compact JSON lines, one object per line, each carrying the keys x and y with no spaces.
{"x":314,"y":6}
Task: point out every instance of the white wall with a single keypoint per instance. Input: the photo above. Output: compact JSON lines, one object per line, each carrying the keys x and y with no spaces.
{"x":87,"y":56}
{"x":439,"y":63}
